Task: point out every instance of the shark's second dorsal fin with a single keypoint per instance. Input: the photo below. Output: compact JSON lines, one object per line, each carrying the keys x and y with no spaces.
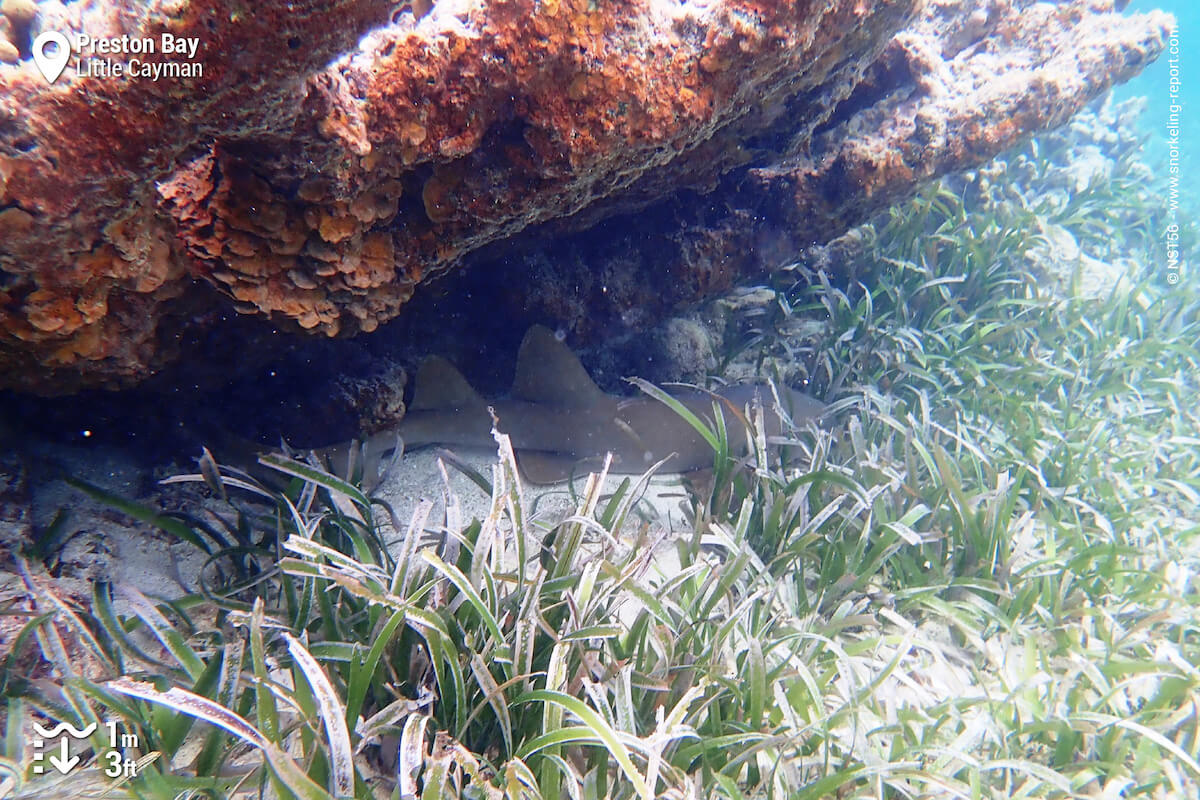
{"x":550,"y":374}
{"x":441,"y":387}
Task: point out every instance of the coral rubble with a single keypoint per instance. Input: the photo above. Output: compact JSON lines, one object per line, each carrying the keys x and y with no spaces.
{"x":319,"y":173}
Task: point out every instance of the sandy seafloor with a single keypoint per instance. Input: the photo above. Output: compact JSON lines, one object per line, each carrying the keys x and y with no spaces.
{"x":103,"y":544}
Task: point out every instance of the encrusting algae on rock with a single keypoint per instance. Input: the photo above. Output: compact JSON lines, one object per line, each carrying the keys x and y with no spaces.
{"x":322,"y":188}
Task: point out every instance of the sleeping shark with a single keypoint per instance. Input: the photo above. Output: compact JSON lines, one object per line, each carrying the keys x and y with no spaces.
{"x":561,"y":424}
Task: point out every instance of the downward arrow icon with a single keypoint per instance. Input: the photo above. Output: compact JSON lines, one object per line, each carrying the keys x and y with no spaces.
{"x":63,"y":762}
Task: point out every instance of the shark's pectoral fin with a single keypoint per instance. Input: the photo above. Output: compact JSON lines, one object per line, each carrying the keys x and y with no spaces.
{"x":539,"y":466}
{"x":542,"y":467}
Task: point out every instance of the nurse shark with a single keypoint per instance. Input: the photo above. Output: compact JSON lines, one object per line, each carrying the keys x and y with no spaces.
{"x":561,"y":423}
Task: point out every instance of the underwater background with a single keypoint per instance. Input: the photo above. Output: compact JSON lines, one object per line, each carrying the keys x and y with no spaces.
{"x":290,"y":387}
{"x":1153,"y":85}
{"x":970,"y":568}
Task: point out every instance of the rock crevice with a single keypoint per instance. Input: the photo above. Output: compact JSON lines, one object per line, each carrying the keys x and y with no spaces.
{"x":319,"y":174}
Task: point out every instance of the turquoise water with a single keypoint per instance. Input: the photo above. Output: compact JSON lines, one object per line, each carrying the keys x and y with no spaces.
{"x":1154,"y":84}
{"x":1167,"y":86}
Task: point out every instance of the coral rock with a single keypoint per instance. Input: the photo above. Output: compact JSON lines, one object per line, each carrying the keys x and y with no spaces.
{"x":19,"y":12}
{"x":322,"y":193}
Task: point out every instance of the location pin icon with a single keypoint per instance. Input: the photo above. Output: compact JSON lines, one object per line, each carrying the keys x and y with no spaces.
{"x":51,"y":64}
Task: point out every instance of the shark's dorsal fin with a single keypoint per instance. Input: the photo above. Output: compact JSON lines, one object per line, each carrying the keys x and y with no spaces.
{"x":550,"y":374}
{"x":441,"y":387}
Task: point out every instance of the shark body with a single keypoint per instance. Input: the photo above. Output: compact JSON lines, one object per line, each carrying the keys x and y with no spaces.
{"x":561,"y":423}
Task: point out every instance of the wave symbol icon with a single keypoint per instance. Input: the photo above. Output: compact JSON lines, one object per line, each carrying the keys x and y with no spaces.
{"x":50,"y":733}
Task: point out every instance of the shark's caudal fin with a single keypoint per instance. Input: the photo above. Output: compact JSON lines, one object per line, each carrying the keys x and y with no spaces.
{"x":549,"y":374}
{"x":441,"y":387}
